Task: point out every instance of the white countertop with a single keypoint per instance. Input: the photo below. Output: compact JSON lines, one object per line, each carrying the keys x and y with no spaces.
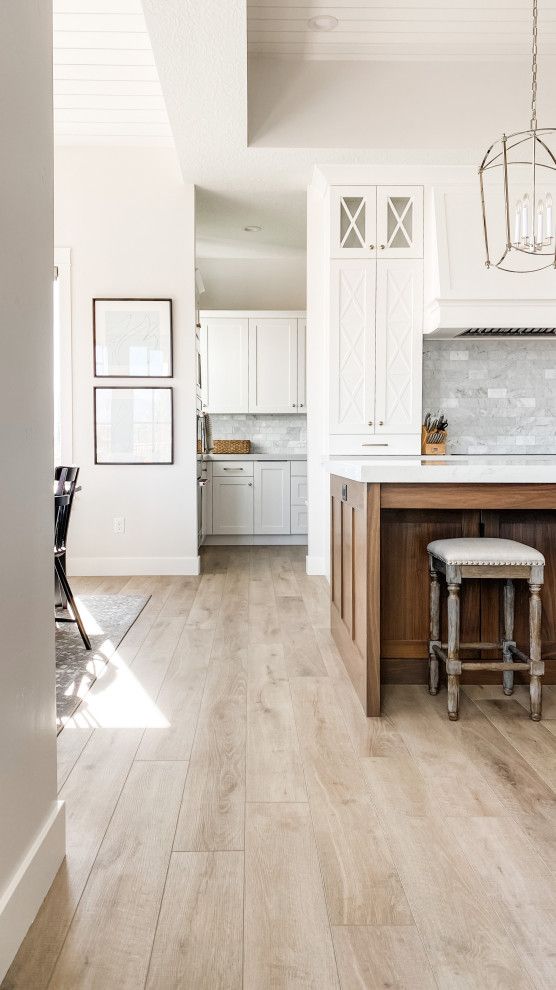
{"x":286,"y":456}
{"x":472,"y":469}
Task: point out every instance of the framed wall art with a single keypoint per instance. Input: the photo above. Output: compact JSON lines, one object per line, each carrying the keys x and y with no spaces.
{"x":133,"y":425}
{"x":132,"y":338}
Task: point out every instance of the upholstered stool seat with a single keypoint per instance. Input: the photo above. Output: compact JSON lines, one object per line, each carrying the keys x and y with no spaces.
{"x":478,"y":551}
{"x":484,"y":557}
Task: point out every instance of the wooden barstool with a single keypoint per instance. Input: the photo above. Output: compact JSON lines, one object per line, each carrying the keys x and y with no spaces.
{"x":485,"y":558}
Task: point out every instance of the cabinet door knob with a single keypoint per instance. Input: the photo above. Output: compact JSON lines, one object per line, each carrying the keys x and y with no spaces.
{"x":301,"y":405}
{"x":371,"y":247}
{"x":381,"y":423}
{"x":293,"y":405}
{"x":250,"y":484}
{"x":382,"y":247}
{"x":370,"y":422}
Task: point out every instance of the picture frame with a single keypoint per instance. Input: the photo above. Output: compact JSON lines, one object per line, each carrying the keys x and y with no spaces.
{"x":132,"y":338}
{"x":133,"y":424}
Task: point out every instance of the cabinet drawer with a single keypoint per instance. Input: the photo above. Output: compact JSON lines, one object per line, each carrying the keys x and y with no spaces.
{"x":299,"y":469}
{"x":231,"y":469}
{"x":299,"y":519}
{"x":299,"y":491}
{"x":359,"y":445}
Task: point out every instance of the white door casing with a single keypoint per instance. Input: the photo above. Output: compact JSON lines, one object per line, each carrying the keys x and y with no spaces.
{"x":353,"y":221}
{"x":232,"y":506}
{"x":352,"y":346}
{"x":272,"y":497}
{"x":399,"y":222}
{"x":273,"y":365}
{"x":225,"y":364}
{"x":302,"y":366}
{"x":399,"y":327}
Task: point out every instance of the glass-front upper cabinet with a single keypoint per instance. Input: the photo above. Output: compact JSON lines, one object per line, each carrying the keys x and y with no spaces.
{"x":353,"y":222}
{"x":376,"y":221}
{"x":399,"y":214}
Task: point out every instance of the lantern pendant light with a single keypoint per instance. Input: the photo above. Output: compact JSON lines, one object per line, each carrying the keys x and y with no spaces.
{"x":518,"y":180}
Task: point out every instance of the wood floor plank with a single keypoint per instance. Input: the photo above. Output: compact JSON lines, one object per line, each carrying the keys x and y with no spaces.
{"x":461,"y":926}
{"x":199,"y":936}
{"x":454,"y":782}
{"x":206,"y":606}
{"x":264,"y":625}
{"x":180,"y":600}
{"x":302,"y":653}
{"x":361,"y":884}
{"x":274,"y":767}
{"x":213,"y":808}
{"x":110,"y":938}
{"x":532,"y":739}
{"x":372,"y":958}
{"x":70,"y":744}
{"x":283,"y":577}
{"x":91,"y":794}
{"x":179,"y":699}
{"x":232,"y":627}
{"x":517,"y":877}
{"x":287,"y":937}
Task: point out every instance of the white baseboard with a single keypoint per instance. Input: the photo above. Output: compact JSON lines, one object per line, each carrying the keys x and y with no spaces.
{"x":30,"y":884}
{"x":133,"y":566}
{"x":255,"y":541}
{"x":315,"y":565}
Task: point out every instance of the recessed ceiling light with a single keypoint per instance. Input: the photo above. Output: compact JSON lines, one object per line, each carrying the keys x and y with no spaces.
{"x":325,"y":22}
{"x":253,"y":229}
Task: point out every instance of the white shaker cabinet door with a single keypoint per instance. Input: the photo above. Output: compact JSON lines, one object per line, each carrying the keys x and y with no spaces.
{"x":399,"y":222}
{"x":273,"y":365}
{"x":272,"y":497}
{"x":352,"y":347}
{"x":353,"y":221}
{"x":232,"y":506}
{"x":225,"y":364}
{"x":399,"y":344}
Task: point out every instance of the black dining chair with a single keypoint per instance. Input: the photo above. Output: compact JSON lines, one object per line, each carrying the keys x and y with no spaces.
{"x":64,"y":491}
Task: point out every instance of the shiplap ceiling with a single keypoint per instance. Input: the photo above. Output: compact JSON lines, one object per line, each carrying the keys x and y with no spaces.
{"x":400,"y":29}
{"x":106,"y":86}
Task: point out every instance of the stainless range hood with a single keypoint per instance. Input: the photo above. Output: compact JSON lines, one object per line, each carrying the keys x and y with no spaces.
{"x":462,"y":296}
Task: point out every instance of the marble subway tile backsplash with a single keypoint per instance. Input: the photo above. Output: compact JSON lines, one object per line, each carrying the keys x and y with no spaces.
{"x":268,"y":434}
{"x":498,"y":395}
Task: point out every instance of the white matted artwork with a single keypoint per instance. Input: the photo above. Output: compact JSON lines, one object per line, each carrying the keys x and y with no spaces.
{"x":132,"y":338}
{"x":133,"y":425}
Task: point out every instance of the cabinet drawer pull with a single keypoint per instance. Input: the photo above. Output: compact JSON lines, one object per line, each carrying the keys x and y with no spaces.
{"x":374,"y":444}
{"x":232,"y":469}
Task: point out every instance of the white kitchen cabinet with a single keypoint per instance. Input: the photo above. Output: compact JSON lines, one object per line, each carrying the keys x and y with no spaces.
{"x":399,"y":217}
{"x":272,"y":365}
{"x":272,"y":498}
{"x":298,"y":489}
{"x":302,"y":366}
{"x":206,"y":503}
{"x":352,"y":346}
{"x":225,"y":364}
{"x":352,"y":221}
{"x":253,"y":362}
{"x":399,"y":322}
{"x":232,"y":506}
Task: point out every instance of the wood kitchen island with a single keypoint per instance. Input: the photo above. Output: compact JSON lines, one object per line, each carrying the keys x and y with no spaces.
{"x":384,"y":512}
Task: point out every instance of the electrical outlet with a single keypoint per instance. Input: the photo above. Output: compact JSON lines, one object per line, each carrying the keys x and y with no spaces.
{"x":118,"y":525}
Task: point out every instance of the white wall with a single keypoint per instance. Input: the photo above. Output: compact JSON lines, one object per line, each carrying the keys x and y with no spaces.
{"x":129,"y":221}
{"x":31,"y":820}
{"x":254,"y":283}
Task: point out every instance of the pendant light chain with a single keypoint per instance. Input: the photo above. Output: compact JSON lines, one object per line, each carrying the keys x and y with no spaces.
{"x":534,"y":68}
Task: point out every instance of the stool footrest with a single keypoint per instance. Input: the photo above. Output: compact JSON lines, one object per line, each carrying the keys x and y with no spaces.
{"x":495,"y":666}
{"x":518,"y":654}
{"x":476,"y":646}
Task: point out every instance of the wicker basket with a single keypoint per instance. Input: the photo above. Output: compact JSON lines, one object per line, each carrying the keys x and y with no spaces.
{"x":231,"y":446}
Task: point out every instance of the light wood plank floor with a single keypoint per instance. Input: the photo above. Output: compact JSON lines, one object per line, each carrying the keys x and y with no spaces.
{"x":234,"y":821}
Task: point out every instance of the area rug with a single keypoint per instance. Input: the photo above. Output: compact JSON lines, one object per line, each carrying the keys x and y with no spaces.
{"x":107,"y":619}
